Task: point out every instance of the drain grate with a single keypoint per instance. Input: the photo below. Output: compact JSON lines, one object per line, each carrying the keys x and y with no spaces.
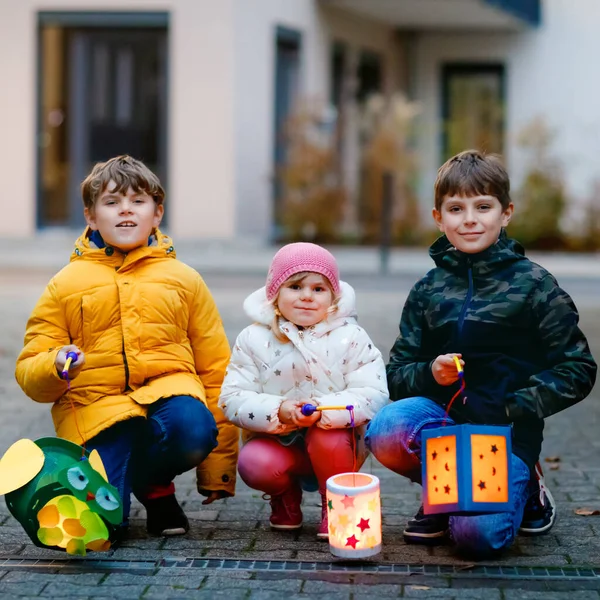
{"x":290,"y":566}
{"x":475,"y":571}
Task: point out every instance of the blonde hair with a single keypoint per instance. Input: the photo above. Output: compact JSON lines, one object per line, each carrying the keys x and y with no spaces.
{"x":297,"y":278}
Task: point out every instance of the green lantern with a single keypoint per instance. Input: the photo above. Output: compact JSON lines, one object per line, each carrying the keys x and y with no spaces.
{"x":60,"y":494}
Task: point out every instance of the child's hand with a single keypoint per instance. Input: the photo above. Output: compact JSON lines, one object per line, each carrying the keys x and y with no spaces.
{"x":212,"y":495}
{"x":76,"y":365}
{"x":444,"y":369}
{"x":290,"y":413}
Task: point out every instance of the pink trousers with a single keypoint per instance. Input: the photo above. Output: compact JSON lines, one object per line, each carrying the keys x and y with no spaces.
{"x":266,"y":465}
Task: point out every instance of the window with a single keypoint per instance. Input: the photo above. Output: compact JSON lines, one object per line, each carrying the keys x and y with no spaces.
{"x":472,"y":108}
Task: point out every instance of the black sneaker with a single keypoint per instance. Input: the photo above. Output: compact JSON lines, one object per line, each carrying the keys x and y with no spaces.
{"x":540,"y":511}
{"x":426,"y":529}
{"x":165,"y":517}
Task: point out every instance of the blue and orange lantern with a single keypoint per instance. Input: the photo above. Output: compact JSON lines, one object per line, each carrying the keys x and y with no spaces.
{"x":466,"y":469}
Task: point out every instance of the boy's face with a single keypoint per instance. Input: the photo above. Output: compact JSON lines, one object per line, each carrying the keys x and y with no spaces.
{"x":472,"y":224}
{"x":124,"y":220}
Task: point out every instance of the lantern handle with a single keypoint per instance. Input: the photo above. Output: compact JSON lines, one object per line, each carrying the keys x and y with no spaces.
{"x":461,"y":389}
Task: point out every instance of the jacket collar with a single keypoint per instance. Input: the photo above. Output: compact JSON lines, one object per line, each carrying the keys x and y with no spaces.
{"x":91,"y":246}
{"x":505,"y":250}
{"x":260,"y":310}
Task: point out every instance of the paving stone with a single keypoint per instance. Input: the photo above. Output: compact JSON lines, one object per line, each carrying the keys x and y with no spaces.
{"x":192,"y":579}
{"x":159,"y":592}
{"x":31,"y":588}
{"x":525,"y":595}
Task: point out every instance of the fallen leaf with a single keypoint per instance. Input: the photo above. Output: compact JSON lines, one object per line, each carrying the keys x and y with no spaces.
{"x":587,"y":512}
{"x":419,"y":587}
{"x":552,"y":459}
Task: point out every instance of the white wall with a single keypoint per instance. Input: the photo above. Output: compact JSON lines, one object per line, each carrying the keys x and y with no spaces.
{"x":255,"y":30}
{"x":551,"y":73}
{"x":200,"y":133}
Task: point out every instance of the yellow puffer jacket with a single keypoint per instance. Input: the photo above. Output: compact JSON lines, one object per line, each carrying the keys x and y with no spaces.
{"x":149,"y":329}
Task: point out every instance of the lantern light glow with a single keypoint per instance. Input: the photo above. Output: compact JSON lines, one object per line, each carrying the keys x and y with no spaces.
{"x":354,"y":515}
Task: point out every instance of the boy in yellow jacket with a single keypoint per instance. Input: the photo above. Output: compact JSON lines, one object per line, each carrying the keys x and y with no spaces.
{"x":151,"y":351}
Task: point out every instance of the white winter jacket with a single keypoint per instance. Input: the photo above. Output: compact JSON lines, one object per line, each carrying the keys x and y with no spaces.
{"x":331,"y":363}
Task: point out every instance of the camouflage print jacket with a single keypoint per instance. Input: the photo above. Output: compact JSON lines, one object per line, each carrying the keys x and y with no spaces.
{"x":525,"y":356}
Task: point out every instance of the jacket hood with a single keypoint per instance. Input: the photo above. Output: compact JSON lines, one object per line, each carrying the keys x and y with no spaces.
{"x":90,"y":245}
{"x":505,"y":250}
{"x":260,"y":310}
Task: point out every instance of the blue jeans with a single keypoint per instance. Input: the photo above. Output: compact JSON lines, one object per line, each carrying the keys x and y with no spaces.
{"x":394,"y":438}
{"x":138,"y":454}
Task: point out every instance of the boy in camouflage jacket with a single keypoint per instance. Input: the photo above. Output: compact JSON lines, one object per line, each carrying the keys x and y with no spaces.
{"x":514,"y":330}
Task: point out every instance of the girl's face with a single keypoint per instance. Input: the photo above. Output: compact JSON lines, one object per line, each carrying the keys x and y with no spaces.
{"x":305,"y":302}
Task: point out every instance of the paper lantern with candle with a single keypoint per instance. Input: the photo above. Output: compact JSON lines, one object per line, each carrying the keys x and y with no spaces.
{"x":466,"y":469}
{"x":354,"y":514}
{"x":60,"y":494}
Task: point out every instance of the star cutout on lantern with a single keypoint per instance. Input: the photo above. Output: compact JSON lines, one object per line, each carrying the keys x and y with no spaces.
{"x":436,"y":489}
{"x":251,"y":416}
{"x":447,"y":449}
{"x":372,"y":504}
{"x":481,"y":485}
{"x":446,"y":466}
{"x":277,"y":372}
{"x":277,"y":352}
{"x":434,"y":455}
{"x":494,"y":448}
{"x":371,"y":542}
{"x":364,"y":524}
{"x":269,"y":418}
{"x":447,"y":489}
{"x":330,"y":504}
{"x":348,"y":502}
{"x":493,"y":470}
{"x":332,"y":529}
{"x":370,"y":346}
{"x":343,"y":521}
{"x":481,"y":456}
{"x":352,"y":541}
{"x":434,"y":477}
{"x":499,"y":489}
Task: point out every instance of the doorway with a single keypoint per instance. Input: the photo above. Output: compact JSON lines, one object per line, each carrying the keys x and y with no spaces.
{"x":102,"y":92}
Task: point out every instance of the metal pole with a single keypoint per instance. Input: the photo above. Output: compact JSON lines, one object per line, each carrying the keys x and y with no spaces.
{"x":386,"y":222}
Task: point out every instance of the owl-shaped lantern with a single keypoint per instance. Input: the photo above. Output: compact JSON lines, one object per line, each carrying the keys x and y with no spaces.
{"x":466,"y":469}
{"x":354,"y":515}
{"x":61,"y":496}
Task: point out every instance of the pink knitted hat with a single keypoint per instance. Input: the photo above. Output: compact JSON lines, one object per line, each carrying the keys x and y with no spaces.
{"x":298,"y":257}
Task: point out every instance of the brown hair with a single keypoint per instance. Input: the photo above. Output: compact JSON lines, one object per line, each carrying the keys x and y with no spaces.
{"x":126,"y":172}
{"x":297,"y":278}
{"x":472,"y":173}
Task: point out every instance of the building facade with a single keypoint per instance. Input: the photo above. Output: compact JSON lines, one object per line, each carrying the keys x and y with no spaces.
{"x":200,"y":90}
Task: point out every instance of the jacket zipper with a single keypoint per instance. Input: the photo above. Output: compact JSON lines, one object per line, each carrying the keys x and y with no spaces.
{"x":463,"y":311}
{"x":126,"y":368}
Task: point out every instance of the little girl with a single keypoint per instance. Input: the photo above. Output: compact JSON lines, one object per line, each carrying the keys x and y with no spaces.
{"x":304,"y":347}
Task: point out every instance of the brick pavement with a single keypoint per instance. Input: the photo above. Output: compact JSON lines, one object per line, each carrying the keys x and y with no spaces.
{"x":237,"y":528}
